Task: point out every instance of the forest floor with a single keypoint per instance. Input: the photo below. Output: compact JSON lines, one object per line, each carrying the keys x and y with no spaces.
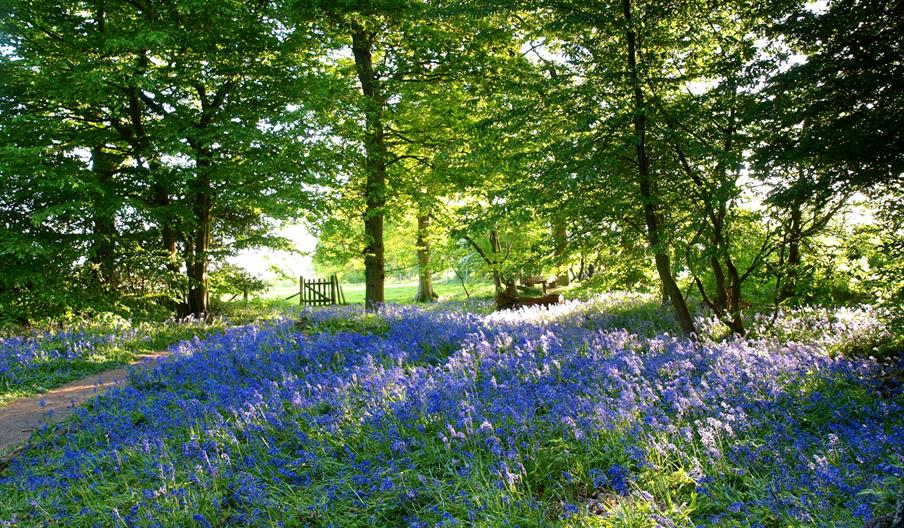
{"x":21,"y":417}
{"x":41,"y":359}
{"x":586,"y":414}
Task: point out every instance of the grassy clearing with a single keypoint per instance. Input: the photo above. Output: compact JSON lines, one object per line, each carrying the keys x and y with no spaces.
{"x":42,"y":360}
{"x":396,"y":292}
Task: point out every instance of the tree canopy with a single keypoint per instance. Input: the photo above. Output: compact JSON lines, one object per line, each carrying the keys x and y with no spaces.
{"x":707,"y":151}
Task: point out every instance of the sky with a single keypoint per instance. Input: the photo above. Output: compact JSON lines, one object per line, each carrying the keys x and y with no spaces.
{"x":259,"y":261}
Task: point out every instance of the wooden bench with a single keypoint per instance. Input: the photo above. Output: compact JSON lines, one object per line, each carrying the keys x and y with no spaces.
{"x":535,"y":280}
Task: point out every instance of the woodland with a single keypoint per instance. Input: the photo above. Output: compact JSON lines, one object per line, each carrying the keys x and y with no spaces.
{"x":651,"y":256}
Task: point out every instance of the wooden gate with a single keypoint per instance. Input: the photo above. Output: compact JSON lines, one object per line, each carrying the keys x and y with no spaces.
{"x":319,"y":292}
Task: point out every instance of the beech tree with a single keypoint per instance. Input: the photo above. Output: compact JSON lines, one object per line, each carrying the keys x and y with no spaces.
{"x":400,"y":50}
{"x":608,"y":140}
{"x":191,"y":112}
{"x":830,"y":125}
{"x":635,"y":125}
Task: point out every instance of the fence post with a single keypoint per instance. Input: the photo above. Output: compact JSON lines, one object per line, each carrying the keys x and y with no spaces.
{"x":333,"y":289}
{"x":301,"y":291}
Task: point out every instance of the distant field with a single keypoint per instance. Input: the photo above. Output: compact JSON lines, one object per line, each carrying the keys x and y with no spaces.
{"x":396,"y":292}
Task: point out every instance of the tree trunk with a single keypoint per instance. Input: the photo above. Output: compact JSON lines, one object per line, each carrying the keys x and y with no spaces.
{"x":729,"y":281}
{"x":168,"y":233}
{"x":425,"y":291}
{"x":792,"y":264}
{"x":375,"y":188}
{"x":560,"y":239}
{"x":647,"y":196}
{"x":103,"y":219}
{"x":496,"y":248}
{"x":733,"y":298}
{"x":198,"y":291}
{"x":104,"y":222}
{"x":720,"y":300}
{"x":461,"y":278}
{"x":730,"y":292}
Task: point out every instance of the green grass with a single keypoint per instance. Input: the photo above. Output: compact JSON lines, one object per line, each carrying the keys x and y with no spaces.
{"x":54,"y":373}
{"x":395,"y":292}
{"x":148,"y":337}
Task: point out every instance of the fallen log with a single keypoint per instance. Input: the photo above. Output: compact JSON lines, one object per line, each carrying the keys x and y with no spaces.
{"x":508,"y":301}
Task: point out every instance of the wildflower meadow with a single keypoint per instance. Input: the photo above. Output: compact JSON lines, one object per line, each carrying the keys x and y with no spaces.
{"x":444,"y":417}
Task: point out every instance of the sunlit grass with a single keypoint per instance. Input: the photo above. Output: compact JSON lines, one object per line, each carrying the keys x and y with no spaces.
{"x":394,"y":292}
{"x":41,"y":361}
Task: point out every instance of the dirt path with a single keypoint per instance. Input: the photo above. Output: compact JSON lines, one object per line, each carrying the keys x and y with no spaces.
{"x":19,"y":418}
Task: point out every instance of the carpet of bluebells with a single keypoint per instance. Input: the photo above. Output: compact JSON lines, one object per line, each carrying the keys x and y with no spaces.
{"x":586,"y":414}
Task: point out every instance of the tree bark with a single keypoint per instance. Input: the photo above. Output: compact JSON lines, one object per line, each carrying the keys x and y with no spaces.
{"x":730,"y":292}
{"x":733,"y":298}
{"x":196,"y":267}
{"x":493,"y":262}
{"x":647,"y":194}
{"x":375,"y":188}
{"x":104,"y":221}
{"x":168,"y":233}
{"x":103,"y":242}
{"x":792,"y":264}
{"x":496,"y":248}
{"x":425,"y":291}
{"x":560,"y":239}
{"x":461,"y":279}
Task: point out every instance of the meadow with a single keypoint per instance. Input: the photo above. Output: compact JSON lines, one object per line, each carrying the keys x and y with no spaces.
{"x":587,"y":414}
{"x":399,"y":292}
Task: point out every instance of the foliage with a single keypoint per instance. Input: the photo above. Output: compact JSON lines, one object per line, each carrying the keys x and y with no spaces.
{"x":839,"y":110}
{"x":194,"y":149}
{"x":829,"y":128}
{"x":138,"y":148}
{"x":229,"y":279}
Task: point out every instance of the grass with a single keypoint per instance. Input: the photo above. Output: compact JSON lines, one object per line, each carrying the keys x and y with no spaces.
{"x":395,"y":292}
{"x":54,"y":358}
{"x":52,"y":374}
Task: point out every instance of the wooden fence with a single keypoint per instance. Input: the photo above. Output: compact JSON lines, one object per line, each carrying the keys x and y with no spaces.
{"x":319,"y":292}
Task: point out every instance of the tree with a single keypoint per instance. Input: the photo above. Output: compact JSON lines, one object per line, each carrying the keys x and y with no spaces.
{"x":615,"y":78}
{"x":399,"y":48}
{"x":229,"y":279}
{"x":197,"y":109}
{"x":840,"y":109}
{"x":831,"y":121}
{"x":710,"y":130}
